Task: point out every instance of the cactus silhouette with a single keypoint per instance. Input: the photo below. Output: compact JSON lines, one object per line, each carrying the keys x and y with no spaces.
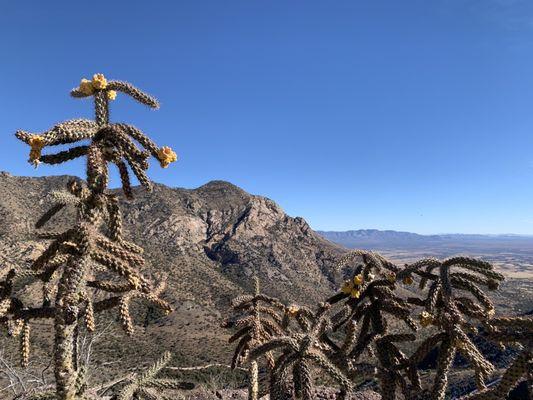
{"x":72,"y":265}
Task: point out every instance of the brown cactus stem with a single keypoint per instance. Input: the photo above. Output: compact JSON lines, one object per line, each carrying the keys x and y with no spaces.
{"x":66,"y":318}
{"x":253,"y":372}
{"x":65,"y":327}
{"x":101,"y":108}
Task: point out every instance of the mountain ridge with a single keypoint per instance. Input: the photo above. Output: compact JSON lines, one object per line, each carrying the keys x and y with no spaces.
{"x":209,"y":242}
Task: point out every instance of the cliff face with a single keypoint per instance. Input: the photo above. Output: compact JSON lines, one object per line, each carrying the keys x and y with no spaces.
{"x":209,"y":241}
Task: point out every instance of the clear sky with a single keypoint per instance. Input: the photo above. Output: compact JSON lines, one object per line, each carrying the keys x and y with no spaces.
{"x":406,"y":115}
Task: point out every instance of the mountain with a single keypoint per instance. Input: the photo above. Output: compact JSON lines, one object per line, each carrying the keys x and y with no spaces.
{"x":210,"y":241}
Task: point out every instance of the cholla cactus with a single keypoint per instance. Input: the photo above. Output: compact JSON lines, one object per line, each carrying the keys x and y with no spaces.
{"x":368,"y":299}
{"x":83,"y":258}
{"x":448,"y":309}
{"x":110,"y":142}
{"x":258,"y":321}
{"x":301,"y":350}
{"x":454,"y":304}
{"x":391,"y":376}
{"x":513,"y":330}
{"x":147,"y":386}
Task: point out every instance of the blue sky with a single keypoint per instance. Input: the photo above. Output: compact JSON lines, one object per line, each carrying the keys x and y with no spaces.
{"x":406,"y":115}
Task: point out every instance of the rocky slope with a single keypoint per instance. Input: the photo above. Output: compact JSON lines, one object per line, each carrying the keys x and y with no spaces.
{"x":210,"y":241}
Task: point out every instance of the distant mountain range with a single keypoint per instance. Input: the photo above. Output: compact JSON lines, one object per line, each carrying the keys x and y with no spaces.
{"x":377,"y":239}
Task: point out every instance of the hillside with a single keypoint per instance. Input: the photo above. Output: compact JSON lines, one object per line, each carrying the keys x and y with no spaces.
{"x":210,"y":241}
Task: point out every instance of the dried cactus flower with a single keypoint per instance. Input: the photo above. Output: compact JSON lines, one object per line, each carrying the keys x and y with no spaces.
{"x":99,"y":81}
{"x":426,"y":319}
{"x":86,"y":87}
{"x":36,"y":143}
{"x":293,"y":310}
{"x":166,"y":156}
{"x":347,"y":287}
{"x":93,"y":254}
{"x":391,"y":277}
{"x":111,"y":94}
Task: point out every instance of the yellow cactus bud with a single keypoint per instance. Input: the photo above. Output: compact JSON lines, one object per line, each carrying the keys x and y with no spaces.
{"x":407,"y":280}
{"x":86,"y":87}
{"x":111,"y":94}
{"x":358,"y":279}
{"x":293,"y":310}
{"x":347,"y":287}
{"x":36,"y":143}
{"x":166,"y":155}
{"x":355,"y":293}
{"x":99,"y":81}
{"x":426,"y":319}
{"x":391,"y":277}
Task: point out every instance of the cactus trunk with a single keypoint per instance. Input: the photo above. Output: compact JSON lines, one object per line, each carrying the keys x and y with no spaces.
{"x":253,"y":385}
{"x":65,"y":324}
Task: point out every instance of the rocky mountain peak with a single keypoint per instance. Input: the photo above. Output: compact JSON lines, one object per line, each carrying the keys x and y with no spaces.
{"x":209,"y":241}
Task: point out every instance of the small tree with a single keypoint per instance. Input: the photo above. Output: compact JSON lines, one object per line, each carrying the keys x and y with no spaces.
{"x":93,"y":254}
